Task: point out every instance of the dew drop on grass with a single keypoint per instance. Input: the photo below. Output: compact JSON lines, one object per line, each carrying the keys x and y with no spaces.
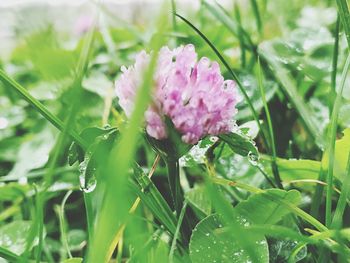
{"x":253,"y":158}
{"x":87,"y":186}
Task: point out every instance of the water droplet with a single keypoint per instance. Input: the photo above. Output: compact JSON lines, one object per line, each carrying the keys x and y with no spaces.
{"x":253,"y":158}
{"x":89,"y":185}
{"x":87,"y":179}
{"x":207,"y":234}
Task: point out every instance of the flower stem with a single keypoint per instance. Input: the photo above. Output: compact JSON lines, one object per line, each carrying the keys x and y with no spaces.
{"x":174,"y":183}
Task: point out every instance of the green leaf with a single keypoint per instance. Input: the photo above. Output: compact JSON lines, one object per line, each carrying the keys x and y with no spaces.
{"x":261,"y":208}
{"x":12,"y":191}
{"x":342,"y":147}
{"x":73,"y":260}
{"x":153,"y":199}
{"x":199,"y":200}
{"x":282,"y":247}
{"x":90,"y":134}
{"x":13,"y":236}
{"x":33,"y":154}
{"x":76,"y":239}
{"x":294,"y":169}
{"x":196,"y":155}
{"x":240,"y":144}
{"x":210,"y":242}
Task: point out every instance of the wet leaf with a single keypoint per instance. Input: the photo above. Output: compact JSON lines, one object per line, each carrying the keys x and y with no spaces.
{"x":211,"y":242}
{"x":13,"y":236}
{"x":262,"y":208}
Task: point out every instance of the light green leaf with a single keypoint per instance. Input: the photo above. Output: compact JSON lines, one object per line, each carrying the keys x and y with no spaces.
{"x":210,"y":242}
{"x":13,"y":236}
{"x":199,"y":200}
{"x":240,"y":144}
{"x":342,"y":148}
{"x":73,"y":260}
{"x":294,"y":169}
{"x":262,"y":208}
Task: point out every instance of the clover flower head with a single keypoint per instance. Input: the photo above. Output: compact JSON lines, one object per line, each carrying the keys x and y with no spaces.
{"x":191,"y":93}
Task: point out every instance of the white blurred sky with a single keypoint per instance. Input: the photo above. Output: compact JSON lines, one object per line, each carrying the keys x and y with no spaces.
{"x":10,"y":3}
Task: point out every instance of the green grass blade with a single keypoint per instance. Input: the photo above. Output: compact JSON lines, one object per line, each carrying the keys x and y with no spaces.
{"x":11,"y":83}
{"x":8,"y":255}
{"x":235,"y":28}
{"x":344,"y":14}
{"x":154,"y":200}
{"x":177,"y":232}
{"x":173,"y":9}
{"x":335,"y":57}
{"x":257,"y":16}
{"x":240,"y":34}
{"x":331,"y":143}
{"x":339,"y":211}
{"x":290,"y":89}
{"x":114,"y":210}
{"x":62,"y":223}
{"x":272,"y":145}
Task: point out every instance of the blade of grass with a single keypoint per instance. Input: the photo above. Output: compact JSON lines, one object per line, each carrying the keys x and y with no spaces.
{"x":62,"y":223}
{"x":257,"y":16}
{"x":114,"y":211}
{"x":8,"y":255}
{"x":317,"y":197}
{"x":235,"y":28}
{"x":119,"y":234}
{"x":66,"y":130}
{"x":339,"y":211}
{"x":344,"y":14}
{"x":177,"y":231}
{"x":335,"y":57}
{"x":11,"y":83}
{"x":240,"y":34}
{"x":331,"y":143}
{"x":272,"y":146}
{"x":291,"y":91}
{"x":173,"y":9}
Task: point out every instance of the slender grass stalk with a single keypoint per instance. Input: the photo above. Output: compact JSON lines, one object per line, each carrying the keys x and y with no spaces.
{"x":173,"y":9}
{"x":40,"y":203}
{"x":291,"y":91}
{"x":8,"y":255}
{"x":11,"y":83}
{"x":174,"y":183}
{"x":339,"y":211}
{"x":272,"y":145}
{"x":257,"y":15}
{"x":118,"y":237}
{"x":317,"y":197}
{"x":177,"y":232}
{"x":335,"y":57}
{"x":240,"y":33}
{"x":344,"y":14}
{"x":113,"y":211}
{"x":332,"y":138}
{"x":62,"y":223}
